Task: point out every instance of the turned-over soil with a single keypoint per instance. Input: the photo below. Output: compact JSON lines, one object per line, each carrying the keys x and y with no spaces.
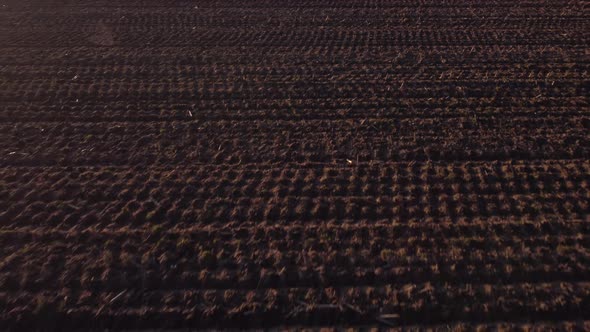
{"x":274,"y":163}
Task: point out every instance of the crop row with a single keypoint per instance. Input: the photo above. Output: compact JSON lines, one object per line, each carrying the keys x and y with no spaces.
{"x":117,"y":112}
{"x":179,"y":36}
{"x":340,"y":142}
{"x":207,"y":195}
{"x":184,"y":90}
{"x":408,"y":304}
{"x":391,"y":55}
{"x":297,"y":256}
{"x":337,"y":73}
{"x":286,"y":210}
{"x":502,"y":18}
{"x":438,"y":179}
{"x":375,"y":4}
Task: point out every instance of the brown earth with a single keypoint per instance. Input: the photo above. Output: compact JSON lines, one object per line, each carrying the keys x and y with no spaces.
{"x":272,"y":163}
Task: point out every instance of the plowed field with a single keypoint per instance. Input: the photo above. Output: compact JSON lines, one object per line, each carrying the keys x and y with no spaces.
{"x":274,"y":163}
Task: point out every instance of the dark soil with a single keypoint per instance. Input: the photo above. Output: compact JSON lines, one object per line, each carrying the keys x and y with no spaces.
{"x":274,"y":163}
